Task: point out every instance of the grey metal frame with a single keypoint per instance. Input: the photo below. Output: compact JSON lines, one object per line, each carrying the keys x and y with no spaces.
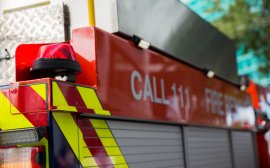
{"x":179,"y":32}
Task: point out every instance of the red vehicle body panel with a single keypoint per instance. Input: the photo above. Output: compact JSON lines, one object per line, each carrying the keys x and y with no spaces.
{"x":259,"y":100}
{"x":25,"y":100}
{"x":263,"y":154}
{"x":143,"y":84}
{"x":166,"y":90}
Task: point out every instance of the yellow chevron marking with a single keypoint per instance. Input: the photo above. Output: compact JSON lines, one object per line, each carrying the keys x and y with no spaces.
{"x":102,"y":112}
{"x":41,"y":90}
{"x":70,"y":129}
{"x":117,"y":159}
{"x":88,"y":161}
{"x":9,"y":121}
{"x":121,"y":166}
{"x":103,"y":131}
{"x":91,"y":100}
{"x":110,"y":141}
{"x":85,"y":155}
{"x":98,"y":123}
{"x":59,"y":99}
{"x":66,"y":108}
{"x":89,"y":97}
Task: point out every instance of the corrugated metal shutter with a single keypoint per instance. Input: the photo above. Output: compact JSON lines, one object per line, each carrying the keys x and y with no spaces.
{"x":243,"y":149}
{"x":147,"y":145}
{"x":207,"y":148}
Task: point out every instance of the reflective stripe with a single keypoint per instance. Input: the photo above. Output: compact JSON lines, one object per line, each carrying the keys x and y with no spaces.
{"x":91,"y":100}
{"x":41,"y":90}
{"x":121,"y":166}
{"x":59,"y":99}
{"x":9,"y":121}
{"x":97,"y":123}
{"x":89,"y":97}
{"x":102,"y":112}
{"x":110,"y":141}
{"x":88,"y":100}
{"x":70,"y":129}
{"x":104,"y":132}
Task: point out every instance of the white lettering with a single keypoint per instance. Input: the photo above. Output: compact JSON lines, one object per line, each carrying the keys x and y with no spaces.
{"x":136,"y":95}
{"x":213,"y":101}
{"x":164,"y":100}
{"x":147,"y":89}
{"x":150,"y":88}
{"x":156,"y":98}
{"x":208,"y":99}
{"x":219,"y":103}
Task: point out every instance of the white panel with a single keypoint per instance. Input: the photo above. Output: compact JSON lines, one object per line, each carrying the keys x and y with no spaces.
{"x":78,"y":12}
{"x":106,"y":15}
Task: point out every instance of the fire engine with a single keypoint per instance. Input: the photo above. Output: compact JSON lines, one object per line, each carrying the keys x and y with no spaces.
{"x":114,"y":100}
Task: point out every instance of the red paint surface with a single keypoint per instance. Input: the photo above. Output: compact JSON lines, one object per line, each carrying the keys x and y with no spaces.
{"x":26,"y":99}
{"x":108,"y":63}
{"x":262,"y":151}
{"x":85,"y":55}
{"x":253,"y":92}
{"x":37,"y":119}
{"x":72,"y":95}
{"x":34,"y":152}
{"x":25,"y":55}
{"x":28,"y":103}
{"x":118,"y":58}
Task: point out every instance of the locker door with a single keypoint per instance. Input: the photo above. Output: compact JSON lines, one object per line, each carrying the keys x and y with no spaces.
{"x":145,"y":145}
{"x":207,"y":148}
{"x":243,"y":149}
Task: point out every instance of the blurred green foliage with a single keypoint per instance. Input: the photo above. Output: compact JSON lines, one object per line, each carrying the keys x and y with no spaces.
{"x":247,"y":22}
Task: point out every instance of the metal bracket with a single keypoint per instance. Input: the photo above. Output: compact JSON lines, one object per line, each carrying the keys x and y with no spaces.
{"x":141,"y":43}
{"x":7,"y":56}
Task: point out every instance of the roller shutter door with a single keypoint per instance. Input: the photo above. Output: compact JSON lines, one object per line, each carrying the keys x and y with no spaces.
{"x":207,"y":148}
{"x":147,"y":145}
{"x":243,"y":149}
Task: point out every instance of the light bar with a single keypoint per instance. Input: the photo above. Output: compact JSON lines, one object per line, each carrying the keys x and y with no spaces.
{"x":22,"y":136}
